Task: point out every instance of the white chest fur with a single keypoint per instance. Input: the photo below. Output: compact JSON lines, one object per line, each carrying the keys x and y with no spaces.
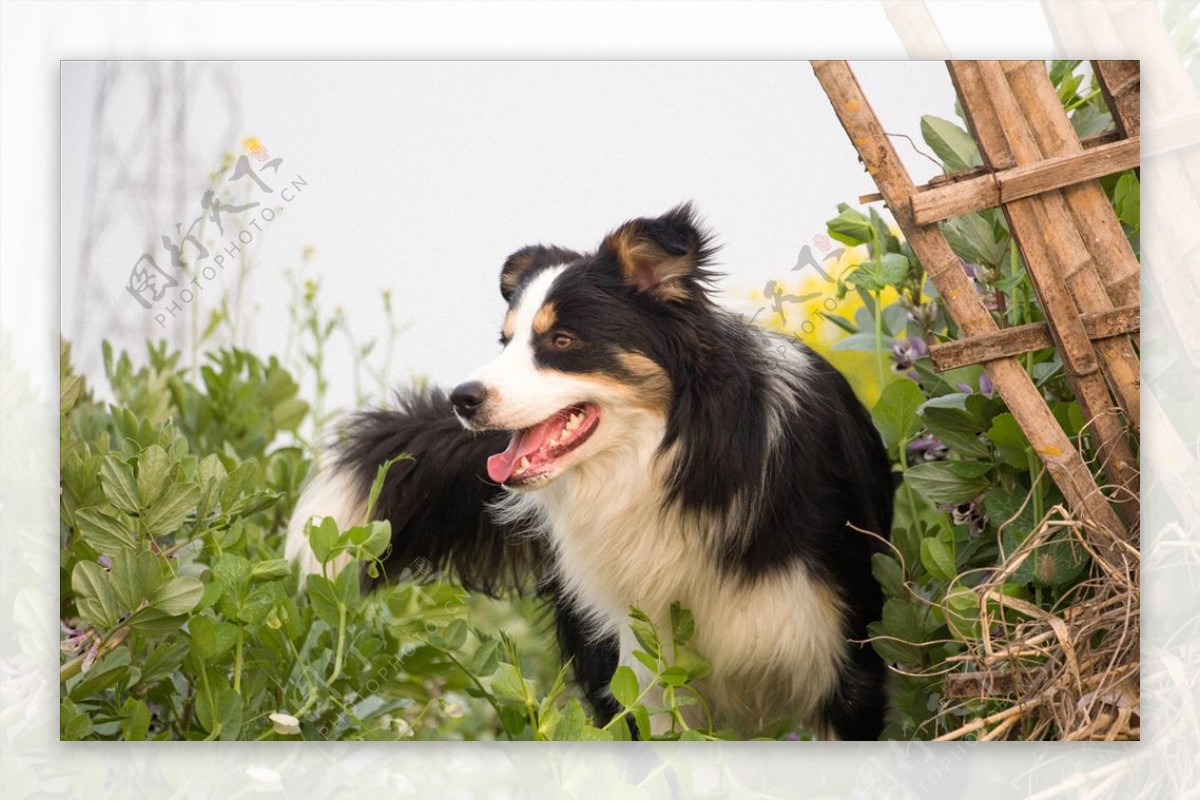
{"x":775,"y":644}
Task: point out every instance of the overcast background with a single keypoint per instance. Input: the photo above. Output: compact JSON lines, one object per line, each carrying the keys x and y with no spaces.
{"x":423,"y":176}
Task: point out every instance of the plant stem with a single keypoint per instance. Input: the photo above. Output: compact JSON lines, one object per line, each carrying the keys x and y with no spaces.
{"x":237,"y":661}
{"x":341,"y":645}
{"x":879,"y":337}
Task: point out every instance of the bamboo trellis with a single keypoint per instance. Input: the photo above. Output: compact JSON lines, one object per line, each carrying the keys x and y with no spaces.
{"x":1083,"y":270}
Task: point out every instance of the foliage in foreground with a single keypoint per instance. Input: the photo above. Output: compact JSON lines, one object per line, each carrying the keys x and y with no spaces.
{"x":181,"y":621}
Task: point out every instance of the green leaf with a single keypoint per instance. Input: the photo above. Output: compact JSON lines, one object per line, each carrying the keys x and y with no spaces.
{"x":95,"y":598}
{"x":323,"y":597}
{"x":1011,"y":443}
{"x":1127,"y":200}
{"x":120,"y":488}
{"x":178,"y":596}
{"x":508,"y":684}
{"x":135,"y":577}
{"x":963,"y":439}
{"x":163,"y":661}
{"x":377,"y":482}
{"x":220,"y":712}
{"x":455,"y":634}
{"x":153,"y":469}
{"x":951,"y":144}
{"x":110,"y":671}
{"x":271,"y":570}
{"x":289,"y":414}
{"x":169,"y":512}
{"x":937,"y":558}
{"x":697,"y":667}
{"x":862,"y":342}
{"x":73,"y":723}
{"x":379,"y":538}
{"x":135,"y":719}
{"x":895,"y":413}
{"x":641,"y":718}
{"x":624,"y":686}
{"x":892,"y":269}
{"x":674,"y":676}
{"x":948,"y":483}
{"x":210,"y":640}
{"x":322,"y":538}
{"x":887,"y":572}
{"x":850,"y":227}
{"x":973,"y":238}
{"x":156,"y":623}
{"x":683,"y":625}
{"x":106,"y":534}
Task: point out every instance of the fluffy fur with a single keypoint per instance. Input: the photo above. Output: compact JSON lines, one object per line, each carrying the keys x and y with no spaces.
{"x":686,"y":457}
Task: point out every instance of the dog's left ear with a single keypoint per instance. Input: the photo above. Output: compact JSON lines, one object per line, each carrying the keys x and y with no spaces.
{"x":663,"y":257}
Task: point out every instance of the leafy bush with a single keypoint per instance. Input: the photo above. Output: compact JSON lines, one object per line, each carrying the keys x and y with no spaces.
{"x":182,"y":621}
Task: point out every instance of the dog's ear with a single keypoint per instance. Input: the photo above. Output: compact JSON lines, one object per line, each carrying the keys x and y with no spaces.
{"x":663,"y":257}
{"x":529,"y":260}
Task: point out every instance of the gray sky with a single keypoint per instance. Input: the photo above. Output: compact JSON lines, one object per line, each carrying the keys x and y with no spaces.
{"x":423,"y":176}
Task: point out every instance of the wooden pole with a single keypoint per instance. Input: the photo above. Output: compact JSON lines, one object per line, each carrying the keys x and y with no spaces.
{"x":944,"y":268}
{"x":1062,"y":271}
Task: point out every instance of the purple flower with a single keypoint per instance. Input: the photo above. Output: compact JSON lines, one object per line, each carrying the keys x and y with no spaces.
{"x":907,"y":351}
{"x":986,"y":387}
{"x":926,"y":449}
{"x":971,"y":515}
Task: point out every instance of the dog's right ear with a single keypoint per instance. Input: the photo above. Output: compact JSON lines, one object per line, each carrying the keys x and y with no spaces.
{"x":529,"y":260}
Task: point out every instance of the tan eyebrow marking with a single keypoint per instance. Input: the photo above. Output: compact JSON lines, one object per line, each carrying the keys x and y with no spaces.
{"x":545,"y":318}
{"x":510,"y":322}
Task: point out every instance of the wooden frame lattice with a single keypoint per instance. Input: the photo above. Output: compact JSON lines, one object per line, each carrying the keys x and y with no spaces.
{"x":1043,"y":178}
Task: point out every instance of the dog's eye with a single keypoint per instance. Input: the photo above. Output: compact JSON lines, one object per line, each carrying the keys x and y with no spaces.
{"x":562,"y":341}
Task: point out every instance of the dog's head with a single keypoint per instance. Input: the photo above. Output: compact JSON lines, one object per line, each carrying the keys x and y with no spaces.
{"x":589,"y":344}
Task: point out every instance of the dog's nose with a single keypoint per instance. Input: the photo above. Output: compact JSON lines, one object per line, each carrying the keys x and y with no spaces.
{"x":468,"y":397}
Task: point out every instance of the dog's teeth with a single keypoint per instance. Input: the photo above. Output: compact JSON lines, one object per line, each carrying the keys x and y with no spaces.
{"x":554,"y":441}
{"x":574,"y":422}
{"x":523,"y":465}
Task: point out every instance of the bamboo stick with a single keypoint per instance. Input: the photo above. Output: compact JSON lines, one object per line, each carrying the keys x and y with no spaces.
{"x":1054,"y":254}
{"x":1064,"y":464}
{"x":993,"y":189}
{"x":1030,"y":337}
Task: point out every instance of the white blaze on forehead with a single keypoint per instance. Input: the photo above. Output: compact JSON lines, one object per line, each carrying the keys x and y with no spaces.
{"x":520,"y":394}
{"x":517,"y":356}
{"x":531,"y":300}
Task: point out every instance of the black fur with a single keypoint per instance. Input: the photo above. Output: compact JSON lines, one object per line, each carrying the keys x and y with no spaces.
{"x":436,"y":500}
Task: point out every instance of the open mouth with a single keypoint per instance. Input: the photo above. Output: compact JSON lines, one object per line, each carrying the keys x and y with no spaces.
{"x":533,"y":451}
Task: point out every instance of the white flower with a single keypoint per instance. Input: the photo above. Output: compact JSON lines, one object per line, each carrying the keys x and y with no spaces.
{"x":402,"y":728}
{"x":284,"y":723}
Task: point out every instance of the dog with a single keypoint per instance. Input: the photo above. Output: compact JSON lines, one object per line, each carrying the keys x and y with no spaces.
{"x":635,"y":444}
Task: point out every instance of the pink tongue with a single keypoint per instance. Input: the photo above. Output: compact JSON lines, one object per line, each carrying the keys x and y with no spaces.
{"x":501,"y":466}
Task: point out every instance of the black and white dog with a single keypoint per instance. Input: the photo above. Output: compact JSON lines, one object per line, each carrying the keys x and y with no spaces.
{"x":635,"y":444}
